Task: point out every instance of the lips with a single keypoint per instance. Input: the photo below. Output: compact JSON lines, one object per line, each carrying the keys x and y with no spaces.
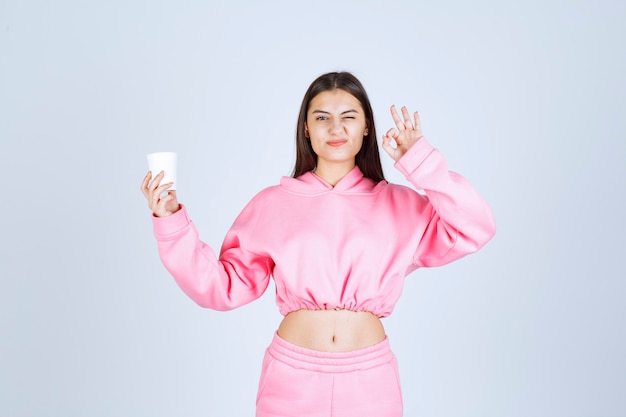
{"x":336,"y":143}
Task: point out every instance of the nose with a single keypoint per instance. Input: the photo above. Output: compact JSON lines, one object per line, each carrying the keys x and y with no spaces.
{"x":336,"y":126}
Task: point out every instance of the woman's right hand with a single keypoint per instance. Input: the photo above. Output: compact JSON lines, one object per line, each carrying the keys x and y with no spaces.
{"x":160,"y":206}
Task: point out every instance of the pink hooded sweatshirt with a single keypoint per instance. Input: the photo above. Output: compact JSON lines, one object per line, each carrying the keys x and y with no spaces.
{"x":349,"y":246}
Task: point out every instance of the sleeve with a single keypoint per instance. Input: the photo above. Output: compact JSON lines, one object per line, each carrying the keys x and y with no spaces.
{"x":460,"y":222}
{"x":236,"y":278}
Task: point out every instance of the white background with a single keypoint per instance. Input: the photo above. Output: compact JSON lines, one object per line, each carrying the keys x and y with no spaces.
{"x":527,"y":99}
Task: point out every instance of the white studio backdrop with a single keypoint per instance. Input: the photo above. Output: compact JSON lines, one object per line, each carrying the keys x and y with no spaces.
{"x":525,"y":99}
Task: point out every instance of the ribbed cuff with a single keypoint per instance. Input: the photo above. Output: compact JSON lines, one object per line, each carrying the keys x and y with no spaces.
{"x":414,"y":157}
{"x":169,"y":225}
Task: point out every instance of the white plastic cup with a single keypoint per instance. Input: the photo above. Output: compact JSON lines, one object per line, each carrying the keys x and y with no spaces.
{"x":164,"y":161}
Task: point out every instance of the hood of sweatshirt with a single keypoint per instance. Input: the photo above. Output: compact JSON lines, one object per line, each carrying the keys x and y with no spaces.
{"x":310,"y":184}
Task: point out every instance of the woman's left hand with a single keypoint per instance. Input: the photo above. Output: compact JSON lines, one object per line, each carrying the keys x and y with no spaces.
{"x":405,"y":134}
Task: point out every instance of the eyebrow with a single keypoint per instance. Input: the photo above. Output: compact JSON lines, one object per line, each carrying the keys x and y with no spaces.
{"x":343,"y":112}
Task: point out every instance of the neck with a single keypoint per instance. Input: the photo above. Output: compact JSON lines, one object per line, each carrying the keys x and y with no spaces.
{"x":333,"y":173}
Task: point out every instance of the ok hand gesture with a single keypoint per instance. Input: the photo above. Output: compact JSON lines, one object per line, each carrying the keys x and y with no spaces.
{"x":405,"y":134}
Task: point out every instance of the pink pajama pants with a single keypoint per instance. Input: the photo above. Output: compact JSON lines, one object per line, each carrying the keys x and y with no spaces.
{"x":300,"y":382}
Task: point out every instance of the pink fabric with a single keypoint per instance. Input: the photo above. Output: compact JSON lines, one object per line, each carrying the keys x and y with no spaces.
{"x":296,"y":381}
{"x":349,"y":246}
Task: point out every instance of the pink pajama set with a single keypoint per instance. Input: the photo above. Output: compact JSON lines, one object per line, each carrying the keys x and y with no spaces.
{"x":347,"y":247}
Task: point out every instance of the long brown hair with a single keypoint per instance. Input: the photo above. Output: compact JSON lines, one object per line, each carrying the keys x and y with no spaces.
{"x":368,"y":158}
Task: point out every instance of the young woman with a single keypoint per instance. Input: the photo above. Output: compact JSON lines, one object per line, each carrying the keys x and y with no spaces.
{"x":338,"y":241}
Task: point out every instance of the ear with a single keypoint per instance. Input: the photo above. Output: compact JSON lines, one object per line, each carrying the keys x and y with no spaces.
{"x":306,"y":130}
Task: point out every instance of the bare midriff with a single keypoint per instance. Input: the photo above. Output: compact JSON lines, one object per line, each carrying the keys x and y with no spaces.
{"x":332,"y":330}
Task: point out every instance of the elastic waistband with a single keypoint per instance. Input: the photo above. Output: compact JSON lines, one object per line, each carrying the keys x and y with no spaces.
{"x":315,"y":360}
